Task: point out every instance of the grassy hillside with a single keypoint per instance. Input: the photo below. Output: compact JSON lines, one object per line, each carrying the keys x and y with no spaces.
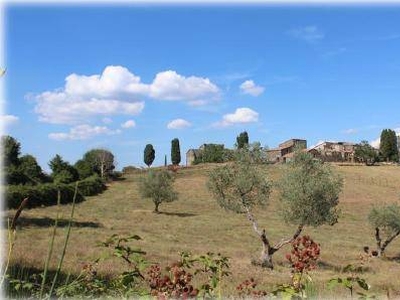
{"x":196,"y":223}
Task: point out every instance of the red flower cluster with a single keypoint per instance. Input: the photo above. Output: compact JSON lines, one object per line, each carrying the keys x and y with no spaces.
{"x":247,"y":289}
{"x":175,"y":285}
{"x":304,"y":255}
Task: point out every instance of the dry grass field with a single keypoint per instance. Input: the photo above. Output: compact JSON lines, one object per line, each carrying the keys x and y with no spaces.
{"x":196,"y":223}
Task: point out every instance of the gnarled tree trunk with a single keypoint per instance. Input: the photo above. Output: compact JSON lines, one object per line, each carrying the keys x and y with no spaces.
{"x":268,"y":250}
{"x":382,"y":246}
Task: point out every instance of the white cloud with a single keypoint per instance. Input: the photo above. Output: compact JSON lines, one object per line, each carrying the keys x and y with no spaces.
{"x":178,"y":124}
{"x":169,"y":85}
{"x":83,"y":132}
{"x":307,"y":33}
{"x":249,"y":87}
{"x":240,"y":116}
{"x":8,"y":119}
{"x":63,"y":108}
{"x":375,"y":143}
{"x":117,"y":91}
{"x":128,"y":124}
{"x":106,"y":120}
{"x":350,"y":131}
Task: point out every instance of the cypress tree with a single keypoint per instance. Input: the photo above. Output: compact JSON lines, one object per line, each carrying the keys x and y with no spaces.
{"x":175,"y":152}
{"x":149,"y":154}
{"x":242,"y":139}
{"x":388,"y":146}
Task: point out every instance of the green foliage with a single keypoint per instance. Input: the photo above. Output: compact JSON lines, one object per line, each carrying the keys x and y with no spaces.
{"x":386,"y":217}
{"x":11,"y":149}
{"x":239,"y":186}
{"x":130,"y":170}
{"x":15,"y":175}
{"x":212,"y":153}
{"x":91,"y":186}
{"x":101,"y":162}
{"x":212,"y":266}
{"x":310,"y":192}
{"x":175,"y":152}
{"x":149,"y":154}
{"x":158,"y":186}
{"x":242,"y":140}
{"x":62,"y":171}
{"x":84,"y":169}
{"x":364,"y":152}
{"x":31,"y":169}
{"x":350,"y":283}
{"x":46,"y":194}
{"x":388,"y":145}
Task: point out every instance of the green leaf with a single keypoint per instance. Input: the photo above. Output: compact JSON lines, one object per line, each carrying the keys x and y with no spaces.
{"x":363,"y":284}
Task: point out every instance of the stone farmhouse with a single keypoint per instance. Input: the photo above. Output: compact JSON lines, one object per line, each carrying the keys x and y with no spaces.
{"x":326,"y":151}
{"x":334,"y":151}
{"x":284,"y":152}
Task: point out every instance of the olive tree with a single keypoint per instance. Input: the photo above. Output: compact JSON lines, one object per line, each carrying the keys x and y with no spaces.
{"x":309,"y":195}
{"x":240,"y":187}
{"x":386,"y":221}
{"x":158,"y":186}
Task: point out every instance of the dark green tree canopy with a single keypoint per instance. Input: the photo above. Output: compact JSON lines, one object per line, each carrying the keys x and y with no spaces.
{"x":364,"y":152}
{"x":12,"y":150}
{"x":84,"y":169}
{"x":149,"y":154}
{"x":388,"y":145}
{"x":242,"y":139}
{"x":62,"y":171}
{"x":175,"y":152}
{"x":101,"y":162}
{"x":31,"y":168}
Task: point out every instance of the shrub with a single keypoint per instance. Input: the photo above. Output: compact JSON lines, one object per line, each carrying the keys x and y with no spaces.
{"x":43,"y":194}
{"x":92,"y":185}
{"x":46,"y":194}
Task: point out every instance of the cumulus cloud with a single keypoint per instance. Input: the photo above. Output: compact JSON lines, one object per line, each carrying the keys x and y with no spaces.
{"x":8,"y":119}
{"x":83,"y":132}
{"x":169,"y":85}
{"x":240,"y":116}
{"x":307,"y":33}
{"x":249,"y":87}
{"x":117,"y":91}
{"x":128,"y":124}
{"x":178,"y":124}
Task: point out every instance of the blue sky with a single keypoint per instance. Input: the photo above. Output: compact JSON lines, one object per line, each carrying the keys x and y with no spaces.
{"x":120,"y":77}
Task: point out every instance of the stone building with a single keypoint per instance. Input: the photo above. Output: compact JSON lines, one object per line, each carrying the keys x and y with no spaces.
{"x":285,"y":151}
{"x":334,"y":151}
{"x":203,"y":153}
{"x":191,"y":156}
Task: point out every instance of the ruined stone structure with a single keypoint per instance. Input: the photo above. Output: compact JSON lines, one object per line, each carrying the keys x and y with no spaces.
{"x":285,"y":151}
{"x":334,"y":151}
{"x":191,"y":155}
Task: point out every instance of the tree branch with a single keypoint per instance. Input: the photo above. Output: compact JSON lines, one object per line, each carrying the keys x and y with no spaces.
{"x":288,"y":241}
{"x":389,"y":240}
